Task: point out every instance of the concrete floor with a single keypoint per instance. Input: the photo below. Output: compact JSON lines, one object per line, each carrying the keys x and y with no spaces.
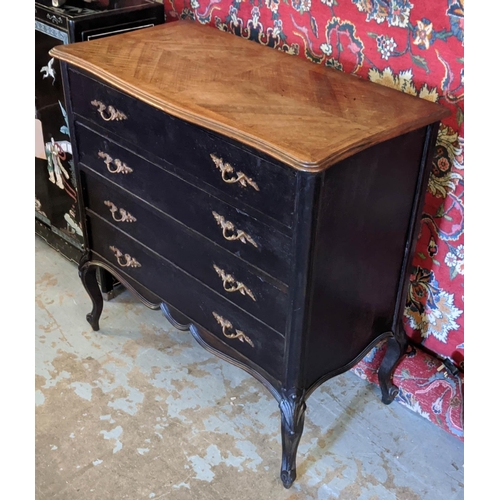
{"x":140,"y":411}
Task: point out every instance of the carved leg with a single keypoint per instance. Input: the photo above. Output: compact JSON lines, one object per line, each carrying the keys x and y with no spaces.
{"x":293,"y":409}
{"x":396,"y":349}
{"x":89,"y":279}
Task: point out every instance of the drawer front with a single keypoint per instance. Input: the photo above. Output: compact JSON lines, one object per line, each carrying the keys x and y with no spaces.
{"x":229,"y":276}
{"x":246,"y":237}
{"x":202,"y":306}
{"x":193,"y":152}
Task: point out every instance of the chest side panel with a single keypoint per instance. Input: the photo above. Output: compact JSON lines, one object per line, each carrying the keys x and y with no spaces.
{"x":362,"y":232}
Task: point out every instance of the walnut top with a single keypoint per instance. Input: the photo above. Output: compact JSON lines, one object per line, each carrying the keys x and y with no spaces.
{"x":303,"y":114}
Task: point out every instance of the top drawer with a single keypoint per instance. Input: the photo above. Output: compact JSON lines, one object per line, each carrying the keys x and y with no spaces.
{"x":188,"y":149}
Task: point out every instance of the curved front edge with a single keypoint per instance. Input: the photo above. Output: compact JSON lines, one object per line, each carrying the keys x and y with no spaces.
{"x":175,"y":322}
{"x":291,"y":403}
{"x":213,"y":345}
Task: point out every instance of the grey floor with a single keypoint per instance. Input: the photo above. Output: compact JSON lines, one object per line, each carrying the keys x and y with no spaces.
{"x":139,"y":410}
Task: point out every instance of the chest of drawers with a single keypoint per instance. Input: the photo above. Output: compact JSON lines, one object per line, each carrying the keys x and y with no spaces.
{"x":266,"y":204}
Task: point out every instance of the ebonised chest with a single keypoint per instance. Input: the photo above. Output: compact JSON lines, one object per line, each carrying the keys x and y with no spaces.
{"x":267,"y":204}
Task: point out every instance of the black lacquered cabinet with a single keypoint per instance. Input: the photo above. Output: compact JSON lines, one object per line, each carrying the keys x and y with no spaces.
{"x":57,"y":218}
{"x":278,"y":228}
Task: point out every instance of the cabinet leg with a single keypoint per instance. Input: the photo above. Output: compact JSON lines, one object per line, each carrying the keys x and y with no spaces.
{"x":396,"y":349}
{"x":293,"y":409}
{"x":89,"y":279}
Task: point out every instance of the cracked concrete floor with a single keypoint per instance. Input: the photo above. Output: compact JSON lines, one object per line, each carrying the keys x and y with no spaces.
{"x":139,"y":411}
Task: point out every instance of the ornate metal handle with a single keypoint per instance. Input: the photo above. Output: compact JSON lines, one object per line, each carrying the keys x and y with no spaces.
{"x":237,"y":233}
{"x":226,"y":325}
{"x":129,"y":261}
{"x":121,"y":168}
{"x":124,"y":215}
{"x":231,"y":285}
{"x":226,"y":169}
{"x":108,"y":113}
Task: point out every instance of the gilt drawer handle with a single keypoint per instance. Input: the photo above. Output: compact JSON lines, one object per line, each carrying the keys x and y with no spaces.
{"x":124,"y":260}
{"x":231,"y":285}
{"x":124,"y":215}
{"x":226,"y":169}
{"x":228,"y":227}
{"x":121,"y":168}
{"x":226,"y":325}
{"x":108,"y":113}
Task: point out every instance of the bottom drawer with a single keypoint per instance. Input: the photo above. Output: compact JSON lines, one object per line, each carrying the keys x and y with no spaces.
{"x":202,"y":306}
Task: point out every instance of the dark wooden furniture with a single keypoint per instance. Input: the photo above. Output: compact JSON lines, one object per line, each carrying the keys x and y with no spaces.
{"x":57,"y":218}
{"x":266,"y":204}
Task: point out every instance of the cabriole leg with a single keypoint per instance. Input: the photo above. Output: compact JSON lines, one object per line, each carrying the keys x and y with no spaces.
{"x":396,"y":349}
{"x":293,"y":409}
{"x":88,"y":276}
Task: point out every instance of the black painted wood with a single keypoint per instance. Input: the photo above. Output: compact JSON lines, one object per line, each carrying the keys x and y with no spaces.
{"x":330,"y":280}
{"x":88,"y":275}
{"x":400,"y":340}
{"x":293,"y":409}
{"x":293,"y":395}
{"x":365,"y":208}
{"x":152,"y":130}
{"x":196,"y":301}
{"x":189,"y":204}
{"x":245,"y":285}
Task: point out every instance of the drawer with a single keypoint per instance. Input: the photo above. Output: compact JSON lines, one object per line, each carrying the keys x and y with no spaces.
{"x":193,"y":152}
{"x":234,"y":230}
{"x":238,"y":330}
{"x":226,"y":274}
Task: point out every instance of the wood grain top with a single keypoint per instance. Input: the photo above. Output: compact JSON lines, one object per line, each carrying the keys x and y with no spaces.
{"x":303,"y":114}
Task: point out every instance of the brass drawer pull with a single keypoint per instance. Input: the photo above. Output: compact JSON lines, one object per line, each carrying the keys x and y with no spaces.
{"x":231,"y":285}
{"x":129,"y":261}
{"x":121,"y":168}
{"x":124,"y":215}
{"x":229,"y":226}
{"x":108,"y":113}
{"x":226,"y":169}
{"x":226,"y":325}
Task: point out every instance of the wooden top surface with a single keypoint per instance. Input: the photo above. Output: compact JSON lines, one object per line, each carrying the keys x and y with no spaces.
{"x":301,"y":113}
